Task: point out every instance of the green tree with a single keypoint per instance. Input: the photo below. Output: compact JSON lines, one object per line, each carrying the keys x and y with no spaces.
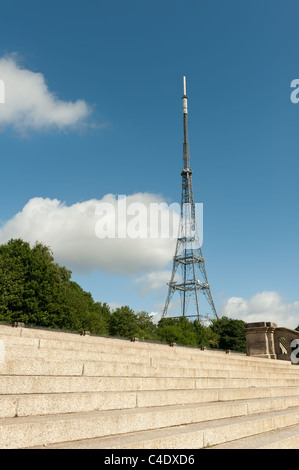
{"x":177,"y":330}
{"x":30,"y":283}
{"x":231,"y":333}
{"x":123,"y":322}
{"x":78,"y":311}
{"x":36,"y":290}
{"x":205,"y":336}
{"x":146,"y":327}
{"x":99,"y":319}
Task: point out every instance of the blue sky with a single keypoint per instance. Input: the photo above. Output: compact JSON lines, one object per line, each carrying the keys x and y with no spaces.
{"x":125,"y":62}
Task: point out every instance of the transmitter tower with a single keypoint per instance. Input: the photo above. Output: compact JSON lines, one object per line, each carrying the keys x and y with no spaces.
{"x":192,"y":280}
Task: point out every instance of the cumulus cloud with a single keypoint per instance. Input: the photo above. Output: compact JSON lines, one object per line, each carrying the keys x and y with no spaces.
{"x":156,"y":316}
{"x":152,"y":281}
{"x":264,"y":306}
{"x":72,"y":234}
{"x":30,"y":105}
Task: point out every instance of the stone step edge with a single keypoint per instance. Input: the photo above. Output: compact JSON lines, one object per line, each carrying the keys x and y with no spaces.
{"x":88,"y":368}
{"x":283,"y":367}
{"x":61,"y":403}
{"x":149,"y":362}
{"x":205,"y":435}
{"x":282,"y":438}
{"x":217,"y":393}
{"x":173,"y":361}
{"x":112,"y":383}
{"x":74,"y":337}
{"x":126,"y":343}
{"x":130,"y":348}
{"x":165,"y":383}
{"x":65,"y":338}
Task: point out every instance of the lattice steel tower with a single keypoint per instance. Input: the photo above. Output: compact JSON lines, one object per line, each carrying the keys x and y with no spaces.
{"x":188,"y":254}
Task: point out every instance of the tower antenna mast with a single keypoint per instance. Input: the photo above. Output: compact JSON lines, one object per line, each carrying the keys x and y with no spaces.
{"x":188,"y":254}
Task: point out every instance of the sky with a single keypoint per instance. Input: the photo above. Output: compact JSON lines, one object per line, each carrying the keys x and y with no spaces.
{"x":93,"y":112}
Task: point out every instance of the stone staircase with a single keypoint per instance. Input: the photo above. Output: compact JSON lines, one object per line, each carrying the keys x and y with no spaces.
{"x":64,"y":390}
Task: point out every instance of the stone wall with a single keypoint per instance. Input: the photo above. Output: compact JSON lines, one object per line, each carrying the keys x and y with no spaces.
{"x":265,"y":339}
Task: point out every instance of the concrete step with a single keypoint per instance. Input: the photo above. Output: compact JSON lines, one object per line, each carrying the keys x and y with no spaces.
{"x":207,"y":378}
{"x":37,"y":379}
{"x":17,"y":361}
{"x":283,"y":438}
{"x":57,"y":387}
{"x":50,"y":403}
{"x":172,"y":397}
{"x":145,"y":365}
{"x":196,"y":435}
{"x":58,"y":340}
{"x":99,"y":369}
{"x":112,"y":345}
{"x":53,"y":403}
{"x":40,"y":367}
{"x":72,"y":362}
{"x":215,"y":382}
{"x":157,"y":352}
{"x":69,"y":384}
{"x":239,"y":388}
{"x":38,"y":430}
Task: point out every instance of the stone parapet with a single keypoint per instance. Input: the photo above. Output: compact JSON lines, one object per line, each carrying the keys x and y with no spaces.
{"x":265,"y":339}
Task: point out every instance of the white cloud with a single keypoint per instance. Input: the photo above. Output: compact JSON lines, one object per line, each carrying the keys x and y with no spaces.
{"x":264,"y":306}
{"x":70,"y":232}
{"x":156,"y":317}
{"x":30,"y":105}
{"x":153,"y":281}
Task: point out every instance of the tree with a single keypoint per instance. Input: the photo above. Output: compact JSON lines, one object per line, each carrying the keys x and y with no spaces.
{"x":79,"y":311}
{"x":205,"y":336}
{"x":37,"y":291}
{"x":123,"y":322}
{"x":146,"y":327}
{"x":177,"y":330}
{"x":231,"y":333}
{"x":30,"y":283}
{"x":99,"y":318}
